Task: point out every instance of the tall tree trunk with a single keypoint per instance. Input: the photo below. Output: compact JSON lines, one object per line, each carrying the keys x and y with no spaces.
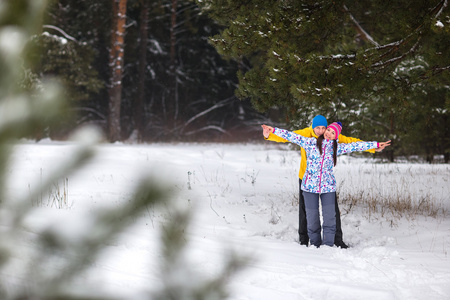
{"x":173,"y":23}
{"x":116,"y":64}
{"x":143,"y":34}
{"x":173,"y":99}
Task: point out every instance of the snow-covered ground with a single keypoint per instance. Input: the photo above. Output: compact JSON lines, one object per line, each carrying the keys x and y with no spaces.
{"x":244,"y":197}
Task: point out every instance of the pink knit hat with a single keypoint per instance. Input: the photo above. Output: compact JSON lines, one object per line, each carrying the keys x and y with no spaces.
{"x":337,"y":127}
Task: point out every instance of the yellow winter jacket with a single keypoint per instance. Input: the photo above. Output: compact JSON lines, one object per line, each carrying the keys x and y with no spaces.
{"x":309,"y":132}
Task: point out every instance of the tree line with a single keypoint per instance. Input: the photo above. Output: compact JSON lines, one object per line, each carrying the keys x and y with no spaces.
{"x":180,"y":70}
{"x":141,"y":70}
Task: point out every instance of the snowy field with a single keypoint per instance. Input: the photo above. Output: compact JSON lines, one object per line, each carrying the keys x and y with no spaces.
{"x":244,"y":197}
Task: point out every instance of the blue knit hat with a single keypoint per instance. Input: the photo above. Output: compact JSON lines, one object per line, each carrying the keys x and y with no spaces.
{"x":319,"y":120}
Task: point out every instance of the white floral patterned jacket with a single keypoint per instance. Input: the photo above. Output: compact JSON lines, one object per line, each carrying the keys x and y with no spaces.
{"x":319,"y":177}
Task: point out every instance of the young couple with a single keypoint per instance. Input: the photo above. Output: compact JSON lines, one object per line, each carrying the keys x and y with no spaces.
{"x":320,"y":145}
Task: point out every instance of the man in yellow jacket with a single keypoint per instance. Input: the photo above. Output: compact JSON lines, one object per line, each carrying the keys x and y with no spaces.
{"x":318,"y":126}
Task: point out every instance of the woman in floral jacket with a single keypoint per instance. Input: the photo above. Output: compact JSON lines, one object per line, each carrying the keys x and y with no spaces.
{"x":319,"y":178}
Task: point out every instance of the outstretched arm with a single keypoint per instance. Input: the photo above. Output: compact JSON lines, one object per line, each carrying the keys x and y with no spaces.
{"x":285,"y":134}
{"x":361,"y":146}
{"x":306,"y":132}
{"x":347,"y":140}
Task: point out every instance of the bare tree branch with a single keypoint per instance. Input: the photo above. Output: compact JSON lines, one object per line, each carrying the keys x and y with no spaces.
{"x":436,"y":70}
{"x":217,"y":105}
{"x":210,"y":127}
{"x":392,"y":60}
{"x":60,"y":31}
{"x":439,"y":8}
{"x":361,"y":30}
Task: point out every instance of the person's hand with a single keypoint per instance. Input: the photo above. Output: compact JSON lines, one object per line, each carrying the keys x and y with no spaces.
{"x":383,"y":145}
{"x":266,"y":130}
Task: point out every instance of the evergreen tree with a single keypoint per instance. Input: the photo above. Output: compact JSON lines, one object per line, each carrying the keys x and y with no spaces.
{"x":73,"y":47}
{"x":338,"y":58}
